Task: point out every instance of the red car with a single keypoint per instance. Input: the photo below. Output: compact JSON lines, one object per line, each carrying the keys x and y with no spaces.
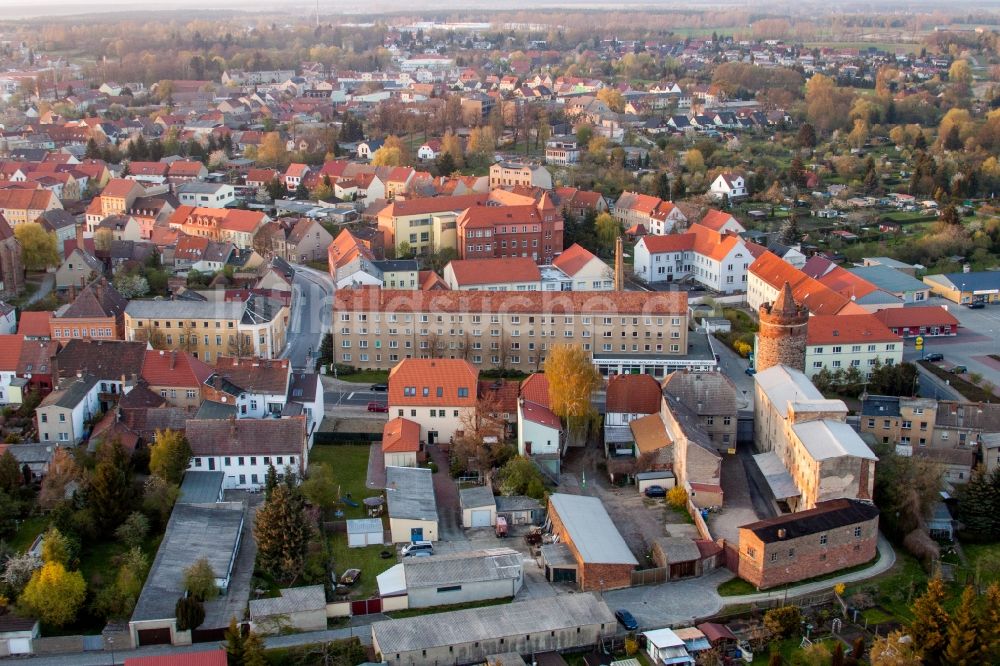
{"x":377,"y":407}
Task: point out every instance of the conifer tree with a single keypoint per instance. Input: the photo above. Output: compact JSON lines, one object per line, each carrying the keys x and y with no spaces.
{"x":930,"y":625}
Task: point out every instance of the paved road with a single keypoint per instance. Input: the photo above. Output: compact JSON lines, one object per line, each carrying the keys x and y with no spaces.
{"x":312,"y":308}
{"x":734,"y":366}
{"x":978,"y":337}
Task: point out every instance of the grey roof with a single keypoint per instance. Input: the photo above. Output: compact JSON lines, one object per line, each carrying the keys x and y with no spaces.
{"x":981,"y":281}
{"x":210,"y":409}
{"x":194,"y":531}
{"x":292,"y":600}
{"x":364,"y":525}
{"x":302,"y":386}
{"x":393,"y":265}
{"x":201,"y":487}
{"x":516,"y":503}
{"x":776,"y":475}
{"x":650,"y":476}
{"x":475,"y":497}
{"x":71,"y":394}
{"x":409,"y":493}
{"x":889,"y":279}
{"x":200,"y":188}
{"x":554,"y":613}
{"x":827,"y":438}
{"x":557,"y":554}
{"x":590,"y":528}
{"x":782,"y":385}
{"x":678,"y":549}
{"x":880,"y":405}
{"x":703,"y":392}
{"x":32,"y":452}
{"x":185,"y":309}
{"x":887,"y":261}
{"x":469,"y":567}
{"x":506,"y":659}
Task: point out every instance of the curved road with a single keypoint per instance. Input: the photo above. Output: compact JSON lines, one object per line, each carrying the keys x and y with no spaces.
{"x":312,"y":311}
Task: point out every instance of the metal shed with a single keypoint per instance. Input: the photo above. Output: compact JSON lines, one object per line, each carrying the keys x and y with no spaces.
{"x":363,"y":532}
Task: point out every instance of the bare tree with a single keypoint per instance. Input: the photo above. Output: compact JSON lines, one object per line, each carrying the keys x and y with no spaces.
{"x":241,"y":346}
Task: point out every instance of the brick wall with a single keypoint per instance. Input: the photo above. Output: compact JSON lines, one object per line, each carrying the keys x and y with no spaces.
{"x":592,"y":577}
{"x":781,"y":340}
{"x":809,"y":559}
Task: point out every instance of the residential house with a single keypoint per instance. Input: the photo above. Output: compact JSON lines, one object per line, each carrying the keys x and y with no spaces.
{"x":177,"y":376}
{"x":580,"y":203}
{"x":206,"y":195}
{"x":562,"y":151}
{"x":257,"y":387}
{"x":60,"y":222}
{"x":305,"y":395}
{"x":294,"y":175}
{"x":506,"y":274}
{"x":97,"y":313}
{"x":78,"y":269}
{"x":425,"y":225}
{"x":711,"y":396}
{"x":244,"y":449}
{"x":532,"y":230}
{"x":63,"y":414}
{"x":767,"y":275}
{"x":208,"y":330}
{"x":628,"y":397}
{"x":728,"y":187}
{"x":655,"y":215}
{"x":120,"y":228}
{"x":841,"y":342}
{"x":903,"y":286}
{"x":219,"y":224}
{"x":437,"y":393}
{"x":717,"y":260}
{"x":181,"y":172}
{"x":20,"y":206}
{"x":306,"y":241}
{"x":697,"y":461}
{"x":511,"y":174}
{"x":582,"y":269}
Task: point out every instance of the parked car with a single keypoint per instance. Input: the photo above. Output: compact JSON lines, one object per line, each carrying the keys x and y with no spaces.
{"x":350,"y":577}
{"x":934,"y":357}
{"x":381,"y":388}
{"x":655,"y":491}
{"x":751,"y":371}
{"x":959,"y":370}
{"x":421,"y":553}
{"x":417,"y":546}
{"x":378,"y":407}
{"x":626,"y":619}
{"x":977,"y":305}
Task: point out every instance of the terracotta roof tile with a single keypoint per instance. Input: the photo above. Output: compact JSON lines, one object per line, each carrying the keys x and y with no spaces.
{"x":255,"y":375}
{"x":10,"y":351}
{"x":573,"y":258}
{"x":848,"y":329}
{"x":401,"y":436}
{"x":35,"y":324}
{"x":174,"y":368}
{"x":928,"y":315}
{"x":469,"y":272}
{"x":633,"y":394}
{"x":532,"y":411}
{"x":536,"y":389}
{"x":433,"y":382}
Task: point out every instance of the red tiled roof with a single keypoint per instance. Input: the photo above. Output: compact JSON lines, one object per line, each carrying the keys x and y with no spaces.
{"x":432,"y":205}
{"x":255,"y":375}
{"x":815,"y":295}
{"x":207,"y":658}
{"x":35,"y":324}
{"x":847,"y":329}
{"x":174,"y":368}
{"x":536,"y":389}
{"x":715,"y":219}
{"x":433,"y":382}
{"x":490,"y":216}
{"x":26,"y":199}
{"x":401,"y":436}
{"x":367,"y":298}
{"x":185,"y":168}
{"x":223,"y":437}
{"x":847,"y":283}
{"x":491,"y":271}
{"x":540,"y":414}
{"x":119,"y":187}
{"x":633,"y":394}
{"x":923,"y":315}
{"x":572,"y":259}
{"x":10,"y":351}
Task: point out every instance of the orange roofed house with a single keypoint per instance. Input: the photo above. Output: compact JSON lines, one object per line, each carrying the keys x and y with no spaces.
{"x":531,"y":230}
{"x":841,"y":342}
{"x":438,"y":394}
{"x":97,"y":313}
{"x":219,"y":224}
{"x":400,"y":442}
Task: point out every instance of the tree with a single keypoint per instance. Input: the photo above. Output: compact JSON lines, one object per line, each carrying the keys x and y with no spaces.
{"x":102,"y":239}
{"x":520,"y":476}
{"x":17,"y":571}
{"x":930,"y":622}
{"x":282,"y":534}
{"x":55,"y":547}
{"x":949,"y":215}
{"x":790,"y":234}
{"x":272,"y":151}
{"x":952,"y":140}
{"x":797,"y":172}
{"x":62,"y":471}
{"x":608,"y":231}
{"x":858,"y":135}
{"x":871,"y":183}
{"x":445,"y":164}
{"x":320,"y":487}
{"x":190,"y":613}
{"x":10,"y":473}
{"x":158,"y":499}
{"x":989,"y":625}
{"x":694,"y":161}
{"x":960,"y":72}
{"x":963,"y":632}
{"x":199,"y":580}
{"x":452,"y":145}
{"x":38,"y":247}
{"x":131,"y":285}
{"x":806,"y":137}
{"x":572,"y":379}
{"x":613,"y":98}
{"x":896,"y":649}
{"x":109,"y":493}
{"x":897,"y":379}
{"x":837,"y":658}
{"x":134,"y":530}
{"x":782,"y":621}
{"x":827,"y":106}
{"x":270,"y":481}
{"x":253,"y":650}
{"x":234,"y":643}
{"x":170,"y":456}
{"x":387,"y":156}
{"x":54,"y":595}
{"x":118,"y":599}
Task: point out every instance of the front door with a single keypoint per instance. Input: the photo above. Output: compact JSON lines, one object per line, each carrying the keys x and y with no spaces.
{"x":431,"y":437}
{"x":416,"y":534}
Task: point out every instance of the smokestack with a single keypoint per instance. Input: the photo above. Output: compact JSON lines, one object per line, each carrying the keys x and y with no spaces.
{"x":619,"y":265}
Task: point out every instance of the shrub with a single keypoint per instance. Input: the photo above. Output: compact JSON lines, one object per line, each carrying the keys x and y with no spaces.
{"x":677,"y":497}
{"x":742,"y":348}
{"x":781,"y":622}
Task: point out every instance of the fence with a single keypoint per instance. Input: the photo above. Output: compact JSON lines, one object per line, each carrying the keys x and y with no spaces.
{"x":650,"y":576}
{"x":360,"y":438}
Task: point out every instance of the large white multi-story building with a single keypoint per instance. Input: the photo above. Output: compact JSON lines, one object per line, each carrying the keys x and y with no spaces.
{"x":717,"y":260}
{"x":840,"y":342}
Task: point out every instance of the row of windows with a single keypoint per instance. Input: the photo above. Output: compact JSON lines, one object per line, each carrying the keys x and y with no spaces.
{"x":823,"y":540}
{"x":180,"y":324}
{"x":513,"y":319}
{"x":227,"y":461}
{"x":411,"y":391}
{"x":94,"y":332}
{"x":854,"y":348}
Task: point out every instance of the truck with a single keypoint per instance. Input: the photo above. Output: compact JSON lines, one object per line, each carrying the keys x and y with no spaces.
{"x":501,"y":527}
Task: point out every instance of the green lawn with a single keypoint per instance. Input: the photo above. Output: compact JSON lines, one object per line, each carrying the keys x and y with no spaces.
{"x":349,"y":464}
{"x":366,"y":377}
{"x":896,"y":589}
{"x":786,"y":648}
{"x":738,"y":586}
{"x":735,"y":587}
{"x":26,"y":533}
{"x":367,"y":559}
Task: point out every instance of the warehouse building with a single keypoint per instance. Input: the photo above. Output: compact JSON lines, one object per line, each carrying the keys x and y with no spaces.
{"x":588,"y":550}
{"x":458,"y":578}
{"x":562,"y":622}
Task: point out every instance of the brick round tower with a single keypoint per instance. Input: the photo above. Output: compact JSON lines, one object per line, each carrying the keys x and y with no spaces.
{"x":782,"y":336}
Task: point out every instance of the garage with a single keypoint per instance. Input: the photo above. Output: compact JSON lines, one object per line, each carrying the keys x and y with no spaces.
{"x":363,"y":532}
{"x":16,"y":634}
{"x":159,"y":636}
{"x":19,"y":645}
{"x":479,"y":508}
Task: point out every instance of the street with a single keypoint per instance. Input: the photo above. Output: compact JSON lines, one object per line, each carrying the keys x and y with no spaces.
{"x":312,"y":305}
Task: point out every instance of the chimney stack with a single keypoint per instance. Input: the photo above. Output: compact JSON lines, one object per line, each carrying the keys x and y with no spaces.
{"x":619,"y":265}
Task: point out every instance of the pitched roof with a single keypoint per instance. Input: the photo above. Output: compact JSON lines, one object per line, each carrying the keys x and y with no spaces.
{"x":26,"y":199}
{"x":921,"y":315}
{"x":120,"y":188}
{"x":492,"y":271}
{"x":824,"y":517}
{"x":366,"y":298}
{"x":591,"y":529}
{"x":633,"y":394}
{"x":536,"y":389}
{"x":816,"y":296}
{"x":540,"y":414}
{"x":401,"y":436}
{"x":716,"y":219}
{"x":105,"y":359}
{"x":10,"y":351}
{"x":572,"y":259}
{"x":434,"y":382}
{"x":98,"y":299}
{"x":35,"y":324}
{"x":847,"y":329}
{"x":479,"y":217}
{"x":649,"y":433}
{"x":703,"y":393}
{"x":223,"y":437}
{"x":174,"y":368}
{"x":255,"y":375}
{"x":433,"y":205}
{"x":36,"y":356}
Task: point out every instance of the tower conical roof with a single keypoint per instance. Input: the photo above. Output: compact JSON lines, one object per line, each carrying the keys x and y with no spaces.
{"x":785,"y":303}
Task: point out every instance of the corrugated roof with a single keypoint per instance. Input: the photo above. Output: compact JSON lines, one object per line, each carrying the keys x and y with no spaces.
{"x":459,"y":568}
{"x":409,"y":493}
{"x":591,"y":530}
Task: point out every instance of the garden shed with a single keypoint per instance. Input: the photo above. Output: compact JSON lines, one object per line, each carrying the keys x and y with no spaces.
{"x":363,"y":532}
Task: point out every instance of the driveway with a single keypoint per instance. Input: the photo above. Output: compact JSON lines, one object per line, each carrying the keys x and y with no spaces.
{"x":671,"y":604}
{"x":744,"y":501}
{"x":446,"y":491}
{"x":734,"y":366}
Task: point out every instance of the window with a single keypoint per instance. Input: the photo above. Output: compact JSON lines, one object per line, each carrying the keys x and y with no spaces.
{"x":857,"y":531}
{"x":774,"y":557}
{"x":751,"y":551}
{"x":822,"y":539}
{"x":449,"y":588}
